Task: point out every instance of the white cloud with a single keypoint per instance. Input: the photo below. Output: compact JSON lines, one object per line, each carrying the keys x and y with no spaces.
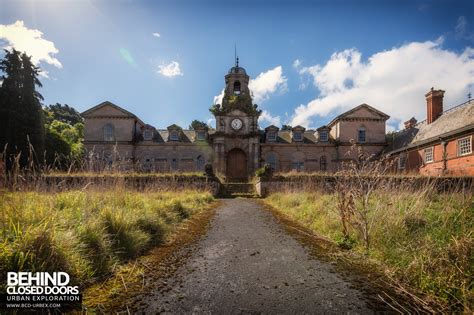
{"x":156,"y":35}
{"x":271,"y":120}
{"x":296,"y":63}
{"x":461,"y":31}
{"x":31,"y":41}
{"x":393,"y":81}
{"x":218,"y":98}
{"x":211,"y":122}
{"x":267,"y":83}
{"x":170,"y":70}
{"x":263,"y":86}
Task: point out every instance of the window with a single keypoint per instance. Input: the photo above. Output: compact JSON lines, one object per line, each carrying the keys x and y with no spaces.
{"x":174,"y":136}
{"x":465,"y":146}
{"x":323,"y":163}
{"x":323,"y":136}
{"x":402,"y":161}
{"x":200,"y":163}
{"x":237,"y":88}
{"x":297,"y":136}
{"x":297,"y":166}
{"x":147,"y":135}
{"x":174,"y":164}
{"x":109,"y":133}
{"x":201,"y":135}
{"x":271,"y":136}
{"x":361,"y":135}
{"x":271,"y":160}
{"x":429,"y":155}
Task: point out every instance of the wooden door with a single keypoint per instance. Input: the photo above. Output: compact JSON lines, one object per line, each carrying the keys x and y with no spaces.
{"x":236,"y":164}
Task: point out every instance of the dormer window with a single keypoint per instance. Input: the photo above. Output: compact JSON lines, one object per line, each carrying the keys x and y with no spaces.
{"x":323,"y":136}
{"x":271,"y":136}
{"x":201,"y":135}
{"x":297,"y":136}
{"x":174,"y":136}
{"x":147,"y":135}
{"x":237,"y":88}
{"x":361,"y":135}
{"x":109,"y":134}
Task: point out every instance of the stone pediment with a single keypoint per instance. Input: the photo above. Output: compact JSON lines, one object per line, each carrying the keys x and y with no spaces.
{"x":107,"y":109}
{"x":362,"y":111}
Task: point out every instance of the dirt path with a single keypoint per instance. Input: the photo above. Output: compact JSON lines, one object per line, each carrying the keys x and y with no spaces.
{"x":247,"y":263}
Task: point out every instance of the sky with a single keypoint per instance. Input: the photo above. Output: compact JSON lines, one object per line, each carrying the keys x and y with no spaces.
{"x":165,"y":61}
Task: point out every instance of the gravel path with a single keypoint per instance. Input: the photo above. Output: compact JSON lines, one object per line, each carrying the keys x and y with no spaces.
{"x":248,"y":264}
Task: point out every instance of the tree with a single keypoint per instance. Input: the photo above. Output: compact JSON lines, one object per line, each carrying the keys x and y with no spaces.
{"x":196,"y":124}
{"x":64,"y":113}
{"x":286,"y":127}
{"x":23,"y":131}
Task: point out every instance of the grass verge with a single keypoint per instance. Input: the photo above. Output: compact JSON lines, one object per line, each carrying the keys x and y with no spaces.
{"x":421,"y":241}
{"x":88,"y":234}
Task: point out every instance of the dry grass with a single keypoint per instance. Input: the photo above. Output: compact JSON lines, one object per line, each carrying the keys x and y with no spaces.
{"x":423,"y":240}
{"x":88,"y":233}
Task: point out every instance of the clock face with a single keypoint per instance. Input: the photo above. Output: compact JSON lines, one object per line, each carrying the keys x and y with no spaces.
{"x":236,"y":124}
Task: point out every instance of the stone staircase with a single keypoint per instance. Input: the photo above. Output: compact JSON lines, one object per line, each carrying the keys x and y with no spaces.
{"x":237,"y":189}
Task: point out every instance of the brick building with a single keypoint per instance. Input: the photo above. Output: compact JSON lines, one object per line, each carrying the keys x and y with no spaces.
{"x":440,"y":145}
{"x":237,"y":146}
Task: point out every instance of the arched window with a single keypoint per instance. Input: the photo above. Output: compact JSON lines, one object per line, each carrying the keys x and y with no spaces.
{"x":361,"y":135}
{"x":109,"y":133}
{"x":236,"y":87}
{"x":323,"y":163}
{"x":297,"y":161}
{"x":272,"y":160}
{"x":147,"y":164}
{"x":200,"y":161}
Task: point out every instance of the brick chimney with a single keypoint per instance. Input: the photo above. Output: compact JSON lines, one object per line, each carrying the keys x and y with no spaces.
{"x":410,"y":123}
{"x":434,"y":104}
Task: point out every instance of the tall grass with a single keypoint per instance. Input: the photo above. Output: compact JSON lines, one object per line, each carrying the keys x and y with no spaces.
{"x":422,"y":239}
{"x":87,"y":233}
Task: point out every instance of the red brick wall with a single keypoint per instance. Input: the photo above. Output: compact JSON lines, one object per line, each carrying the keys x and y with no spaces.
{"x":455,"y":165}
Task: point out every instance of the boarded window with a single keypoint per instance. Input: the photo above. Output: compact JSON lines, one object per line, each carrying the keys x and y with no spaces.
{"x":109,"y":134}
{"x":323,"y":163}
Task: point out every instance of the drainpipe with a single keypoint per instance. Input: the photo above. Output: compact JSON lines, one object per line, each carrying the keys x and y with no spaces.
{"x":445,"y":154}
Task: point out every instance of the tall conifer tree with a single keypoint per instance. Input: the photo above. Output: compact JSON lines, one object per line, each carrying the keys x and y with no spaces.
{"x":21,"y":108}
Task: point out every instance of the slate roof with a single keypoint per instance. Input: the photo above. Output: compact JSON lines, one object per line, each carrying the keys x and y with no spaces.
{"x":454,"y":120}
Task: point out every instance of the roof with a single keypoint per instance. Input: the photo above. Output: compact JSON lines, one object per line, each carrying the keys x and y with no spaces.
{"x":285,"y":136}
{"x":107,"y":103}
{"x":366,"y":106}
{"x":452,"y":121}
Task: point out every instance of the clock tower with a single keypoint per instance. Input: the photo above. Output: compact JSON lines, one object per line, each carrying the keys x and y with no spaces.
{"x":236,"y":140}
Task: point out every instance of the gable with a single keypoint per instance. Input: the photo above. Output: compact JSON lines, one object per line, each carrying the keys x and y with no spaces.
{"x":107,"y":109}
{"x":364,"y":112}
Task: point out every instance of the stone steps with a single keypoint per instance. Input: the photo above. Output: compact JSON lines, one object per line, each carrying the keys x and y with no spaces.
{"x":233,"y":190}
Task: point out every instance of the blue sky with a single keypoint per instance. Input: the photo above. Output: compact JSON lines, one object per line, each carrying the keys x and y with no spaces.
{"x":315,"y":59}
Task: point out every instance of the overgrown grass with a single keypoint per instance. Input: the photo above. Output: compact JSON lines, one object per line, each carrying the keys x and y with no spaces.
{"x":424,"y":240}
{"x":87,"y":233}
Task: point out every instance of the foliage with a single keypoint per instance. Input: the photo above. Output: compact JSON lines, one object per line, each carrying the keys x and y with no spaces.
{"x":20,"y":109}
{"x":87,"y":234}
{"x":64,"y":134}
{"x":196,"y":124}
{"x":286,"y":127}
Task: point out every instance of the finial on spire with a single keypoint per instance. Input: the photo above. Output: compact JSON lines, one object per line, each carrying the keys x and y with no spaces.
{"x":236,"y":59}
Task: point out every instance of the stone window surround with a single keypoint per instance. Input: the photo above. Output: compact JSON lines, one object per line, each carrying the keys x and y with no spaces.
{"x":109,"y":132}
{"x":428,"y":155}
{"x":297,"y":136}
{"x":402,"y":161}
{"x":323,"y":136}
{"x":464,"y":146}
{"x":361,"y":135}
{"x":147,"y":135}
{"x":271,"y":136}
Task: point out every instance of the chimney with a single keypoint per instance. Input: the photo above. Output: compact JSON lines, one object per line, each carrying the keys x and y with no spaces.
{"x":410,"y":123}
{"x":434,"y":104}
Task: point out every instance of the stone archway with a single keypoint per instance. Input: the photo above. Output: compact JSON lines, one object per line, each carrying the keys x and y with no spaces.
{"x":236,"y":165}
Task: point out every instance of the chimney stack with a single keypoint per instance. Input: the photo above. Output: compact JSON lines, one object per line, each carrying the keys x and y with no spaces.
{"x":434,"y":104}
{"x":410,"y":123}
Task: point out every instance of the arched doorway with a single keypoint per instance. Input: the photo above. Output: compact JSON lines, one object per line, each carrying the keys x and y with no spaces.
{"x":236,"y":164}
